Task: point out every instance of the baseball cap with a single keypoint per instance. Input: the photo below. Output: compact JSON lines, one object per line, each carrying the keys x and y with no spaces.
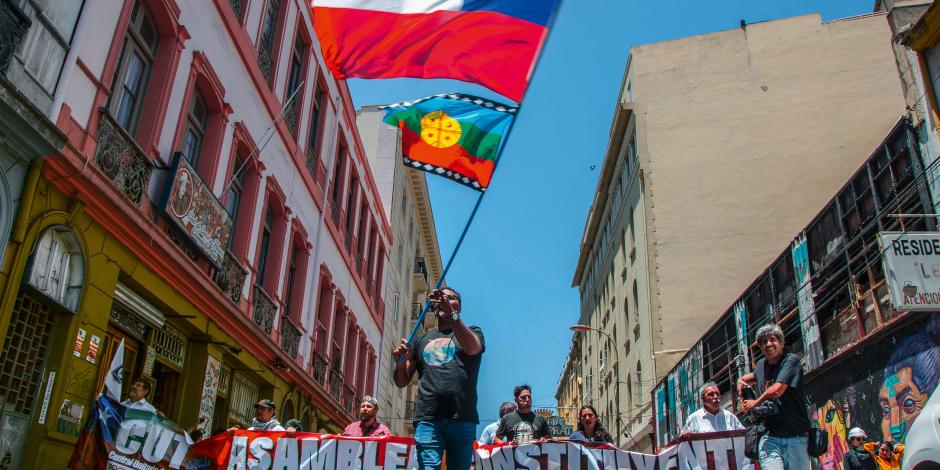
{"x":857,"y":432}
{"x":265,"y":403}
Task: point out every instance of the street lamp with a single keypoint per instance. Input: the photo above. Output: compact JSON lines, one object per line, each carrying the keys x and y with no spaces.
{"x":585,"y":329}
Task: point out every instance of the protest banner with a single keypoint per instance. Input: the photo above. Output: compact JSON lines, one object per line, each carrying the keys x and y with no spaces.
{"x":120,"y":438}
{"x":710,"y":451}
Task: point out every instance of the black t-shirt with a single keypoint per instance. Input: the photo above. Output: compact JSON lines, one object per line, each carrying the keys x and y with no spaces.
{"x":792,"y":420}
{"x":447,"y":377}
{"x":859,"y":460}
{"x":522,"y":427}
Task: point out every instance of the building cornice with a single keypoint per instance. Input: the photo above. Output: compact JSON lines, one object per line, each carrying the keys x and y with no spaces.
{"x":621,"y":118}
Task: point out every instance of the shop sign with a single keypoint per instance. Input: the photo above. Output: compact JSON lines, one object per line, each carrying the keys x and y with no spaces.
{"x":192,"y":207}
{"x":912,"y":268}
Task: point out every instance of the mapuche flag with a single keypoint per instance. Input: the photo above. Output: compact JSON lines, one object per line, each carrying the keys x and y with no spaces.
{"x":453,"y":135}
{"x":493,"y":43}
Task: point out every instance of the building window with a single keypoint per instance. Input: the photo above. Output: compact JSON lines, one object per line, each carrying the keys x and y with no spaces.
{"x":291,"y":277}
{"x":265,"y":246}
{"x":296,"y":271}
{"x":266,"y":52}
{"x":195,"y":132}
{"x":351,"y":208}
{"x":233,"y":195}
{"x":339,"y":179}
{"x":133,"y":73}
{"x":294,"y":82}
{"x":316,"y":128}
{"x":58,"y":268}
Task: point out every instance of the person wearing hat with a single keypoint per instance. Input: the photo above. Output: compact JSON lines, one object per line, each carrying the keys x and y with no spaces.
{"x":858,"y":457}
{"x":368,"y":425}
{"x":264,"y":418}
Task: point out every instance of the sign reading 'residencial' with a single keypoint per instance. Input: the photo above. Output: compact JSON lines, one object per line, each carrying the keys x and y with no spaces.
{"x":912,"y":268}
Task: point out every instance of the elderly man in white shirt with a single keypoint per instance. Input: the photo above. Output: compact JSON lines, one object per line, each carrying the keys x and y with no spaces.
{"x":137,"y":398}
{"x":711,"y":417}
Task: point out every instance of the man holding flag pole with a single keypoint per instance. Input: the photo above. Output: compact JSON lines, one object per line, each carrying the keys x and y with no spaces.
{"x":447,"y":361}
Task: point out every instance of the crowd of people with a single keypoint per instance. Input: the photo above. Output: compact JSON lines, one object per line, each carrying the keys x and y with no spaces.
{"x":447,"y":362}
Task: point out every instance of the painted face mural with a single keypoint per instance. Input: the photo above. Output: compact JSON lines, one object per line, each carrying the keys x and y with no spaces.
{"x":882,"y":395}
{"x":901,"y":402}
{"x":910,"y":375}
{"x":834,"y":419}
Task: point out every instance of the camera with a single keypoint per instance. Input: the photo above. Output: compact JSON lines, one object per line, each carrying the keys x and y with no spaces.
{"x":765,"y":409}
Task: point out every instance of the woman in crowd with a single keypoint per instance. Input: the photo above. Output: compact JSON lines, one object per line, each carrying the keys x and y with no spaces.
{"x":588,"y":428}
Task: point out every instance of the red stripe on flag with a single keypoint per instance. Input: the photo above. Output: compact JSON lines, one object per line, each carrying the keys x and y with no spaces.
{"x":487,"y":48}
{"x":454,"y":158}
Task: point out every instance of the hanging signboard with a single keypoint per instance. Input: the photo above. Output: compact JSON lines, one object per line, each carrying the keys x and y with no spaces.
{"x":192,"y":207}
{"x":912,"y":269}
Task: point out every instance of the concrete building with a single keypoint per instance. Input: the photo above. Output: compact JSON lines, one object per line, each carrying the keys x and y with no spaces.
{"x":203,"y":195}
{"x":712,"y":135}
{"x":415,"y":261}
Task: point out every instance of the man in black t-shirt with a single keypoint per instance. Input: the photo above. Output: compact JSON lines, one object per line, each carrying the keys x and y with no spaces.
{"x":779,"y":376}
{"x":447,"y":361}
{"x":522,"y":426}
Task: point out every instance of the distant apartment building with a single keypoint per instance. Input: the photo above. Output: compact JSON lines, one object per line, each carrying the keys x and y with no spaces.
{"x":415,"y":261}
{"x":721,"y":147}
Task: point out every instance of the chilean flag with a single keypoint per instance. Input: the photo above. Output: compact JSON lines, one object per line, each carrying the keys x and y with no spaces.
{"x":493,"y":43}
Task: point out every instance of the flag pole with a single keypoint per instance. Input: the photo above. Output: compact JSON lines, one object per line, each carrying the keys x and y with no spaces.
{"x":476,"y":207}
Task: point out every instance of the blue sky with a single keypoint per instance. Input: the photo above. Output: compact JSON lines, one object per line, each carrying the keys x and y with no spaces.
{"x":515,"y":268}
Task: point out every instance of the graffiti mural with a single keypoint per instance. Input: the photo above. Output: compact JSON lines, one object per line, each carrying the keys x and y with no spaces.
{"x":883,"y":396}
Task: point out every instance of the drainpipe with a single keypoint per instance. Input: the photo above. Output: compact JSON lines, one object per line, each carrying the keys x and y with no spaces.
{"x":26,"y":201}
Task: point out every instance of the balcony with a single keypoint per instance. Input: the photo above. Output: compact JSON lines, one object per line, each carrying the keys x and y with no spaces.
{"x":336,"y":385}
{"x":264,"y":310}
{"x":319,"y":369}
{"x":334,"y":214}
{"x":421,"y":274}
{"x":290,"y":337}
{"x":416,"y":311}
{"x":410,"y":410}
{"x":231,"y":278}
{"x":13,"y":27}
{"x":290,"y":118}
{"x":310,"y":158}
{"x":264,"y":56}
{"x":238,"y":6}
{"x":121,"y":160}
{"x":349,"y":400}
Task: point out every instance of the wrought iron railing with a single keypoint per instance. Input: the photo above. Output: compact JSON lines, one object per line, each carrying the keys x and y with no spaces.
{"x":264,"y":57}
{"x":349,"y":400}
{"x":336,"y":384}
{"x":121,"y":160}
{"x":290,"y":337}
{"x":238,"y":6}
{"x":310,"y":155}
{"x":231,"y":277}
{"x":416,"y":311}
{"x":334,"y":213}
{"x":319,"y":369}
{"x":264,"y":310}
{"x":290,"y":118}
{"x":410,"y":410}
{"x":13,"y":27}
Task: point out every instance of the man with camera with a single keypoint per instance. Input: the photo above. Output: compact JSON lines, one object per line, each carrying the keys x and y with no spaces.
{"x":447,"y":361}
{"x":781,"y":403}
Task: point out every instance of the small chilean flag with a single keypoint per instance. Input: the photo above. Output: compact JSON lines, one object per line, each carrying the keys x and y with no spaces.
{"x":493,"y":43}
